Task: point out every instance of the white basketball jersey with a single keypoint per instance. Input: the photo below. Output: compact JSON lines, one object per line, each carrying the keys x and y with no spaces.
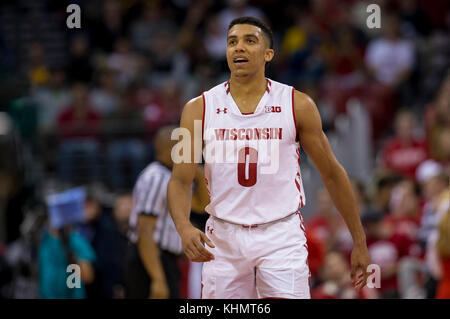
{"x":252,"y":161}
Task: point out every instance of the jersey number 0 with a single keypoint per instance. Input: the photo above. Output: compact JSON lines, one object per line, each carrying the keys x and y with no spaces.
{"x":247,"y":166}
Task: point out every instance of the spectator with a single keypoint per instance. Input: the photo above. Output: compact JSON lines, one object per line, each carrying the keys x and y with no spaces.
{"x":360,"y":194}
{"x":433,"y":182}
{"x":80,"y":66}
{"x":390,"y":58}
{"x":57,"y":250}
{"x":383,"y":251}
{"x":166,"y":60}
{"x":78,"y":127}
{"x":38,"y":72}
{"x":443,"y":248}
{"x":163,"y":107}
{"x":336,"y":281}
{"x":51,"y":99}
{"x":105,"y":98}
{"x":404,"y":218}
{"x":236,"y":9}
{"x":415,"y":18}
{"x":382,"y":196}
{"x":404,"y":152}
{"x":215,"y":45}
{"x":126,"y":153}
{"x":5,"y":275}
{"x":117,"y":266}
{"x":305,"y":62}
{"x":101,"y":229}
{"x":437,"y":120}
{"x":148,"y":25}
{"x":322,"y":225}
{"x":345,"y":62}
{"x":444,"y":139}
{"x":111,"y":26}
{"x":125,"y":62}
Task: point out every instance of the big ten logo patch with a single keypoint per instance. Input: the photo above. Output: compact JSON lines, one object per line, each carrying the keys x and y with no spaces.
{"x":273,"y":109}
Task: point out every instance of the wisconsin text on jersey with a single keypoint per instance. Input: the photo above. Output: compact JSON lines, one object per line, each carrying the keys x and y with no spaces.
{"x":266,"y":133}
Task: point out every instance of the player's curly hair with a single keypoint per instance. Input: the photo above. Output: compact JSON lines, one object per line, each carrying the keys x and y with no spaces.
{"x":267,"y":32}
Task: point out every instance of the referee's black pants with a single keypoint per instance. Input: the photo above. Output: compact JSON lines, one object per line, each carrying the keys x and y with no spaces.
{"x":137,"y":280}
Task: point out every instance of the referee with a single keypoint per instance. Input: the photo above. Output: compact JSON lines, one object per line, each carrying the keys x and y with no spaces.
{"x":153,"y":269}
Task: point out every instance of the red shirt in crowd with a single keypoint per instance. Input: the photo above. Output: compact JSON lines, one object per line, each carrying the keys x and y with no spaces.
{"x":386,"y":253}
{"x":443,"y":291}
{"x":73,"y":124}
{"x":407,"y":226}
{"x":316,"y":252}
{"x":329,"y":290}
{"x":319,"y":227}
{"x":404,"y":158}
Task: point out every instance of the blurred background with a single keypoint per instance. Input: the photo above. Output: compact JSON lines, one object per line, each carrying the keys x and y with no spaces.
{"x":80,"y":107}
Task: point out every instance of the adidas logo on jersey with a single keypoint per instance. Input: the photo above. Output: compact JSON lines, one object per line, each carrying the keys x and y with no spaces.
{"x":219,"y":110}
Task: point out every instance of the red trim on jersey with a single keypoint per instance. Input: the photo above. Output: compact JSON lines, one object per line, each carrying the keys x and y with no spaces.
{"x":268,"y":86}
{"x":247,"y":113}
{"x":227,"y":85}
{"x":298,"y":185}
{"x":201,"y":291}
{"x":293,"y":113}
{"x":309,"y":270}
{"x":299,"y":189}
{"x":203,"y":120}
{"x":302,"y":227}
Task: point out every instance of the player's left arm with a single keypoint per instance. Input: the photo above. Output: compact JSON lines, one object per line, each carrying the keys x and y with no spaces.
{"x":316,"y":145}
{"x":200,"y":197}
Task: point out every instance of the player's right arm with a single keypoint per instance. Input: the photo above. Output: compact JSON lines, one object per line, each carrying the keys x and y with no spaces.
{"x":179,"y":191}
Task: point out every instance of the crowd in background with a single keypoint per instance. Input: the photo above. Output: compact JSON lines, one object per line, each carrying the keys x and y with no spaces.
{"x":82,"y":106}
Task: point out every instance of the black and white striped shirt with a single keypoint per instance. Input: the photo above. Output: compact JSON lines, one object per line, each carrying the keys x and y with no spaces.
{"x":150,"y":198}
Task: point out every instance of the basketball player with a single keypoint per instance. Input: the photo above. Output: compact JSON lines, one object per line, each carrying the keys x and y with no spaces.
{"x":257,"y":246}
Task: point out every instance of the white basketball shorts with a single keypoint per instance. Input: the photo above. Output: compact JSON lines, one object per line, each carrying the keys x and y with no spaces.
{"x":259,"y":261}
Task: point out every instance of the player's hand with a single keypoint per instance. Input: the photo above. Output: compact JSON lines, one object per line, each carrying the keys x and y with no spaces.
{"x":193,"y":240}
{"x":159,"y":289}
{"x":360,"y":260}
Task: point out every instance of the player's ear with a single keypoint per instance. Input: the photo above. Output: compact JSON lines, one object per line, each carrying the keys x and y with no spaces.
{"x":268,"y":55}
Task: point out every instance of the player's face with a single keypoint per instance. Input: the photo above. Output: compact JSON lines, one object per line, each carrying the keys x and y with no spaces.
{"x":247,"y":50}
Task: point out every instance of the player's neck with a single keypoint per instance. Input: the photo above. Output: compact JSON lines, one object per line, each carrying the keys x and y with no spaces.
{"x":249,"y":85}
